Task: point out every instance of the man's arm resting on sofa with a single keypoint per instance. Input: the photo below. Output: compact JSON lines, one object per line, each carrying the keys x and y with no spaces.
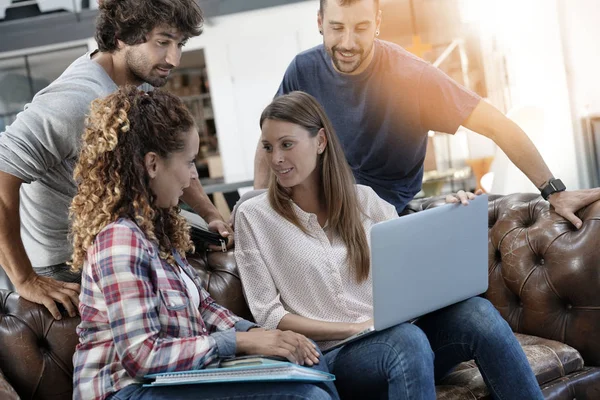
{"x":14,"y":260}
{"x":490,"y":122}
{"x":195,"y":197}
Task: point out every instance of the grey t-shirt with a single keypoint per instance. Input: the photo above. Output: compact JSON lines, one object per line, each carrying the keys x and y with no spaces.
{"x":41,"y":148}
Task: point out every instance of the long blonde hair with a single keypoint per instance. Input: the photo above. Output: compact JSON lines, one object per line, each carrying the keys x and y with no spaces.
{"x":111,"y":175}
{"x":337,"y":182}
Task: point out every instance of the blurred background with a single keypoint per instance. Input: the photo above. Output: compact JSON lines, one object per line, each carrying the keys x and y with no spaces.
{"x":535,"y":60}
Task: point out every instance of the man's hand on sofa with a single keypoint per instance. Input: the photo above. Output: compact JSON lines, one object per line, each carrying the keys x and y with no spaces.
{"x":224,"y":229}
{"x":47,"y":291}
{"x":567,"y":203}
{"x":462,"y":197}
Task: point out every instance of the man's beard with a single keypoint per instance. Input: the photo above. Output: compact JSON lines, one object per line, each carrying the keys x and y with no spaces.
{"x":344,"y":66}
{"x":155,"y":81}
{"x":137,"y":66}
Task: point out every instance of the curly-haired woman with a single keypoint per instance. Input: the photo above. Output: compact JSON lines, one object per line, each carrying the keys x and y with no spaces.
{"x":143,"y":309}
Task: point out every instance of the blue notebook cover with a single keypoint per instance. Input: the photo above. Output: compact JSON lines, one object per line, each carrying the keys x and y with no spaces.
{"x":246,"y":369}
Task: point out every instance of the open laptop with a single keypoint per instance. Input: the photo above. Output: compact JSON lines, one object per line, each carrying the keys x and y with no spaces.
{"x":426,"y":261}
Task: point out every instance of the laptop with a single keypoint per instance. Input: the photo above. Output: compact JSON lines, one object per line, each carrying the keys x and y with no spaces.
{"x":426,"y":261}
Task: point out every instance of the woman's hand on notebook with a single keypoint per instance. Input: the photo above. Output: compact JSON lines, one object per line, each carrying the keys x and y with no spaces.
{"x":293,"y":346}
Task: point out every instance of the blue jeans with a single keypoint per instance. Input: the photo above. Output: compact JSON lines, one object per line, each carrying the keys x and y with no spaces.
{"x":254,"y":390}
{"x":405,"y":361}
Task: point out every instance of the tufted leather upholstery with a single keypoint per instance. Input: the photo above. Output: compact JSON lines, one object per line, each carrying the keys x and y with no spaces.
{"x":544,"y":274}
{"x":6,"y":390}
{"x":219,"y":273}
{"x":35,"y":350}
{"x":544,"y":280}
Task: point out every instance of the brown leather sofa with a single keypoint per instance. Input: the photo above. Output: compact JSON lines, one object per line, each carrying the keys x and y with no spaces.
{"x":544,"y":280}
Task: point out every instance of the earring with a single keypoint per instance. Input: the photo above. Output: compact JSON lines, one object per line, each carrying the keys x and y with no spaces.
{"x":376,"y":33}
{"x":320,"y":151}
{"x":320,"y":31}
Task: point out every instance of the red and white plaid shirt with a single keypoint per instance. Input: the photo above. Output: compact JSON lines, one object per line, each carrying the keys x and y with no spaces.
{"x":137,"y":317}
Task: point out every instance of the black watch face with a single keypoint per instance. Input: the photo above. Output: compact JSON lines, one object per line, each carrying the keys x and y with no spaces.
{"x":558,"y":185}
{"x":555,"y":185}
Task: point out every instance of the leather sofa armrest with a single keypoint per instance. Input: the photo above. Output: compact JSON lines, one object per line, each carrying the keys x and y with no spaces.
{"x":36,"y":351}
{"x":544,"y":272}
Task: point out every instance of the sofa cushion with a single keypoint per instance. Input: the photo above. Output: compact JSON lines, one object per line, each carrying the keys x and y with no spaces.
{"x":549,"y":360}
{"x":35,"y":349}
{"x":582,"y":384}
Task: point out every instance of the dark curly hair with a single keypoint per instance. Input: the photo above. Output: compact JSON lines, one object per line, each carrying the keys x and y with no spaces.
{"x":111,"y":175}
{"x":131,"y":20}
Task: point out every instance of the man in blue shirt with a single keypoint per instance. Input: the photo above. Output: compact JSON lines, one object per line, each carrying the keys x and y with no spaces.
{"x":382,"y":101}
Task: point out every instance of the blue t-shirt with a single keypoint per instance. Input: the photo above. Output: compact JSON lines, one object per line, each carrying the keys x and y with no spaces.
{"x":383,"y":114}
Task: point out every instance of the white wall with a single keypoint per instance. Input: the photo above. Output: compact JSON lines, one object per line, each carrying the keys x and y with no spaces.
{"x":529,"y":34}
{"x":581,"y":30}
{"x":246,"y":57}
{"x":538,"y":77}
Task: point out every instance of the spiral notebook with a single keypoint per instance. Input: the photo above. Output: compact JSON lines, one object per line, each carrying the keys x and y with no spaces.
{"x":243,"y":369}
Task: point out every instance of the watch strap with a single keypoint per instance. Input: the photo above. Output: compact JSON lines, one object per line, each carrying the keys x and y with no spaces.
{"x":553,"y":186}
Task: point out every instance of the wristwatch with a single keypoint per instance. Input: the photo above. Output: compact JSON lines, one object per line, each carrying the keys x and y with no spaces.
{"x":553,"y":186}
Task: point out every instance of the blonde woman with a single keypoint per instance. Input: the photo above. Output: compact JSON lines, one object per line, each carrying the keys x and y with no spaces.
{"x":143,"y":309}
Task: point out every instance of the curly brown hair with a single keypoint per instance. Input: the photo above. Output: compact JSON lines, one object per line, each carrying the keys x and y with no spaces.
{"x":111,"y":174}
{"x":130,"y":21}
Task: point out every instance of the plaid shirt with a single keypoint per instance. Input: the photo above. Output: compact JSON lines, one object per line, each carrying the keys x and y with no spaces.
{"x":137,"y":317}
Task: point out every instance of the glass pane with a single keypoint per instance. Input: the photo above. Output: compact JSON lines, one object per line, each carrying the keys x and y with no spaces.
{"x":46,"y":67}
{"x":15,"y":90}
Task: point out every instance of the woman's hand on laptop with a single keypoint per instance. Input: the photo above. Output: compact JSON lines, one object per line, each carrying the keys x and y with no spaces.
{"x":462,"y":197}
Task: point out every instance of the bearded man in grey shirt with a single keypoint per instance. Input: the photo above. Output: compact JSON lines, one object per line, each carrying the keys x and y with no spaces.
{"x":139,"y":42}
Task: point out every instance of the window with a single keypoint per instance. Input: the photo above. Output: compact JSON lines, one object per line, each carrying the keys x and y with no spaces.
{"x":22,"y":77}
